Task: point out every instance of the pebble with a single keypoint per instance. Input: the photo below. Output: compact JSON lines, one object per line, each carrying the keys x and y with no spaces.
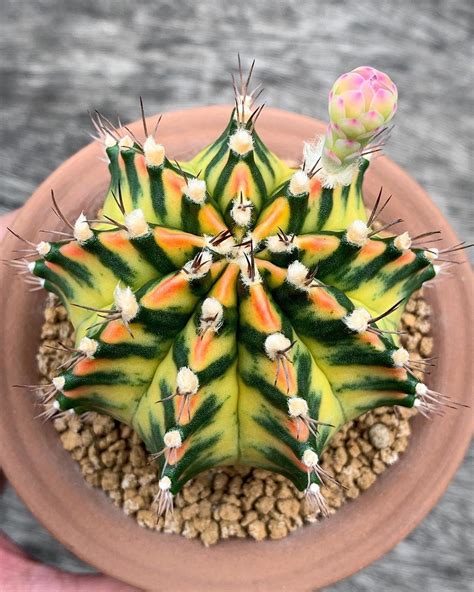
{"x":380,"y":436}
{"x":231,"y":501}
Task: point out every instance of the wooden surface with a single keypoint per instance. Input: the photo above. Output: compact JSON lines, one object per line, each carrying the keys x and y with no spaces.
{"x":61,"y":59}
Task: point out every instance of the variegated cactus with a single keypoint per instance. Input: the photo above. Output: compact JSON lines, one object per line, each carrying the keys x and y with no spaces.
{"x":234,"y":310}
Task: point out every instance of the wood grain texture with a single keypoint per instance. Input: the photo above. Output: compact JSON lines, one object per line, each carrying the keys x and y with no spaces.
{"x":61,"y":59}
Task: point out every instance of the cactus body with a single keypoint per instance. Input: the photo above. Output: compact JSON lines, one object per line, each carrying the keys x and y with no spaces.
{"x":231,"y":309}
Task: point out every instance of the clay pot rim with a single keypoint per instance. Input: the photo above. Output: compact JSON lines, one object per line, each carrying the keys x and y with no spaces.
{"x":114,"y":543}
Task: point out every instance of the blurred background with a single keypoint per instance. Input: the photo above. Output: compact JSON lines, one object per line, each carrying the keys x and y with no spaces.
{"x":62,"y":59}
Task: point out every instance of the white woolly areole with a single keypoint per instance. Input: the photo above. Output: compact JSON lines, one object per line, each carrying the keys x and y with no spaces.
{"x":400,"y":357}
{"x":109,"y":141}
{"x":241,"y":211}
{"x":56,"y":405}
{"x":126,"y":303}
{"x":299,"y":183}
{"x":275,"y":344}
{"x":314,"y":488}
{"x":126,"y":142}
{"x":310,"y":458}
{"x":172,"y":439}
{"x":202,"y":269}
{"x":402,"y":242}
{"x":328,"y":178}
{"x":241,"y":142}
{"x":437,"y":269}
{"x":154,"y":152}
{"x":421,"y":389}
{"x":296,"y":274}
{"x":358,"y":320}
{"x":357,"y":233}
{"x":31,"y":266}
{"x":164,"y":483}
{"x":82,"y":231}
{"x":276,"y":245}
{"x":136,"y":223}
{"x":212,"y":314}
{"x":432,"y":254}
{"x":297,"y":407}
{"x":340,"y":178}
{"x":248,"y":281}
{"x":59,"y":382}
{"x":88,"y":346}
{"x":186,"y":381}
{"x":226,"y":247}
{"x":43,"y":248}
{"x":195,"y":189}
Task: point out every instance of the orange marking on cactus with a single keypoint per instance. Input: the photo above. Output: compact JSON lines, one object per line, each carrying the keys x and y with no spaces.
{"x":85,"y":367}
{"x":224,"y":289}
{"x":302,"y":432}
{"x":173,"y":183}
{"x":200,"y":352}
{"x":217,"y":267}
{"x":316,"y":243}
{"x":175,"y":239}
{"x":326,"y":303}
{"x":210,"y":220}
{"x":371,"y":339}
{"x":79,"y":392}
{"x":398,"y":373}
{"x":114,"y":332}
{"x":116,"y":240}
{"x":179,"y":401}
{"x":240,"y":180}
{"x":165,"y":293}
{"x":140,"y":165}
{"x":55,"y":268}
{"x":405,"y":259}
{"x":263,"y":310}
{"x":276,"y":216}
{"x":176,"y":454}
{"x":277,"y":274}
{"x":73,"y":250}
{"x":371,"y":249}
{"x":314,"y":191}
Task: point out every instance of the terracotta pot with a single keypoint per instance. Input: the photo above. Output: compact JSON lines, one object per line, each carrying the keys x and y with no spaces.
{"x":85,"y":520}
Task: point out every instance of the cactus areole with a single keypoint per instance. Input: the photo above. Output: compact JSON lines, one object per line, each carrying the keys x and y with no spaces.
{"x":234,"y":310}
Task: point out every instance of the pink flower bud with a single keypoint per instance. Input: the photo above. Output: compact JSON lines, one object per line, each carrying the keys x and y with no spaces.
{"x":361,"y":103}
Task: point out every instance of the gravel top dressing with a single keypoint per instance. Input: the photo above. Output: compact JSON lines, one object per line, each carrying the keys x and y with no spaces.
{"x":230,"y":501}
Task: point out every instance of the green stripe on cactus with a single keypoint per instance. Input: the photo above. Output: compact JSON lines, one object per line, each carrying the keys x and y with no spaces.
{"x":325,"y":208}
{"x":119,"y":267}
{"x":154,"y":254}
{"x":132,"y":176}
{"x":103,"y":378}
{"x":157,"y":193}
{"x":42,"y":270}
{"x":194,"y":455}
{"x":276,"y":430}
{"x":263,"y":155}
{"x":281,"y":463}
{"x":82,"y":274}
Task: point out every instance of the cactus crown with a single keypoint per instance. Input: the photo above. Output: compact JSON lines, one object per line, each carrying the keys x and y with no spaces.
{"x":233,"y":309}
